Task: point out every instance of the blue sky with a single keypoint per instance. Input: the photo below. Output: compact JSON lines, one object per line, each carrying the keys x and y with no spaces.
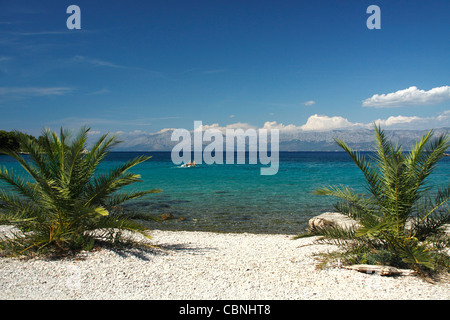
{"x":150,"y":65}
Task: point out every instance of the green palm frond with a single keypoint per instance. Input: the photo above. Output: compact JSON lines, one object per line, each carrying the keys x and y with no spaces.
{"x":353,"y":204}
{"x":119,"y":198}
{"x":64,"y":195}
{"x":398,"y":191}
{"x":114,"y":180}
{"x":370,"y":173}
{"x":415,"y":254}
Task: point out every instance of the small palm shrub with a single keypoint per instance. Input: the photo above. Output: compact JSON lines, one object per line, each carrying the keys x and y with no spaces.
{"x":63,"y":200}
{"x":400,"y":217}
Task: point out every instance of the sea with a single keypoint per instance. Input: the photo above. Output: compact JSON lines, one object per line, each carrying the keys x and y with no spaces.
{"x":236,"y":197}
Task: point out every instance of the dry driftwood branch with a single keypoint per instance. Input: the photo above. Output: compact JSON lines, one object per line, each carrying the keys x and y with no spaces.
{"x":381,"y":270}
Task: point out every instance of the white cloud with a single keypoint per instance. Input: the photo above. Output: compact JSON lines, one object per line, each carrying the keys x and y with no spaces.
{"x":270,"y":125}
{"x":444,"y":116}
{"x":165,"y":130}
{"x":408,"y":97}
{"x":237,"y":125}
{"x":323,"y":123}
{"x":395,"y":120}
{"x":33,"y":91}
{"x":309,"y":103}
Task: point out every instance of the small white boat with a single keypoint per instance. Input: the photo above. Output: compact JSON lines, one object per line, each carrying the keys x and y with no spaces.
{"x":188,"y":165}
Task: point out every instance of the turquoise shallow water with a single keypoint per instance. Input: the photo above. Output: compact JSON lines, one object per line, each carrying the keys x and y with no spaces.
{"x":236,"y":198}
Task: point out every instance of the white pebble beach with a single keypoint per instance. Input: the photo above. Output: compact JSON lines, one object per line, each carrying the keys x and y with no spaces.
{"x":205,"y":266}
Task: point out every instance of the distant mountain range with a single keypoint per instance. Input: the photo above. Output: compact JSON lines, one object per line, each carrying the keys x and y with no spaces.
{"x":290,"y":140}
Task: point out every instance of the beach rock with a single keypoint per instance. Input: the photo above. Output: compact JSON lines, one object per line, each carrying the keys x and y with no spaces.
{"x":167,"y":216}
{"x":331,"y":219}
{"x":9,"y":232}
{"x":409,"y":224}
{"x":445,"y":228}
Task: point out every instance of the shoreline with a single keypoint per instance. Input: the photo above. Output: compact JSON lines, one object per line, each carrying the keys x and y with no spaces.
{"x":197,"y":265}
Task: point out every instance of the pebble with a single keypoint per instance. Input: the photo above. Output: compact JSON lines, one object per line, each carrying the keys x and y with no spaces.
{"x":206,"y":266}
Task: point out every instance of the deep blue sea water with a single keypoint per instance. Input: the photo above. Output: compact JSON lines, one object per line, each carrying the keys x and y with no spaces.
{"x":236,"y":198}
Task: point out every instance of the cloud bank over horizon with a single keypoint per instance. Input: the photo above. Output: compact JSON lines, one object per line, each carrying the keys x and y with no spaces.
{"x":317,"y":134}
{"x":321,"y":123}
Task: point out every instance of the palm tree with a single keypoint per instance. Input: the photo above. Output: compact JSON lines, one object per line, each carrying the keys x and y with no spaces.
{"x":63,"y":198}
{"x":398,"y":196}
